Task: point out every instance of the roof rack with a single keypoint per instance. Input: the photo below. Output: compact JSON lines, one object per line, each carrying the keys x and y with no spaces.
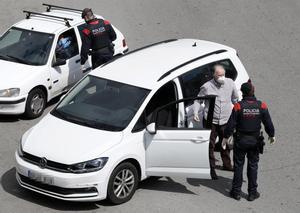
{"x":190,"y":61}
{"x":30,"y":13}
{"x":51,"y":6}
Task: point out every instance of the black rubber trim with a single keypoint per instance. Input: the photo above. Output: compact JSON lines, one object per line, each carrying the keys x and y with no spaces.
{"x":50,"y":164}
{"x":190,"y":61}
{"x":13,"y":102}
{"x":63,"y":192}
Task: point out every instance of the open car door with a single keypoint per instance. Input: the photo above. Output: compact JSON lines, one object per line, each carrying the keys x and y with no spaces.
{"x":178,"y":150}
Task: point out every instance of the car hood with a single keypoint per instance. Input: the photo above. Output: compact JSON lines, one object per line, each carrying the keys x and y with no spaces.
{"x":14,"y":74}
{"x":68,"y":143}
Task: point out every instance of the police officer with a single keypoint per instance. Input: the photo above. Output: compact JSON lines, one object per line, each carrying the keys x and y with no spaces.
{"x":246,"y":117}
{"x":98,"y":35}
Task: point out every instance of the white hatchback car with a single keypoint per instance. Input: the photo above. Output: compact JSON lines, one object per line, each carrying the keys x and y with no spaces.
{"x":34,"y":70}
{"x":126,"y":121}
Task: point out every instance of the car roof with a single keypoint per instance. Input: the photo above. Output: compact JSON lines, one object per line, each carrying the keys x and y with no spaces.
{"x":145,"y":67}
{"x":51,"y":25}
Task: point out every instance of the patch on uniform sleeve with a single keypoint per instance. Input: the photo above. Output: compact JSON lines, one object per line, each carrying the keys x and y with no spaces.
{"x":86,"y":32}
{"x":237,"y":107}
{"x":264,"y":105}
{"x":106,"y":22}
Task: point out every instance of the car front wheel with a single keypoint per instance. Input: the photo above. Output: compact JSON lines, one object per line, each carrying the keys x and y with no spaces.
{"x":35,"y":104}
{"x":122,"y":183}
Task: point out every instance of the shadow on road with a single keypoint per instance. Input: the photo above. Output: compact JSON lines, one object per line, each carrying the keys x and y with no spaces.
{"x":11,"y":186}
{"x":222,"y":185}
{"x":166,"y":185}
{"x":10,"y":118}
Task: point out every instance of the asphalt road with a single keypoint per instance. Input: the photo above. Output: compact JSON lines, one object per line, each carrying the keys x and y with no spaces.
{"x":266,"y":35}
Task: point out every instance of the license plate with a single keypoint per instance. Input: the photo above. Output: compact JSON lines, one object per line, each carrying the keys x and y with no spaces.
{"x":46,"y":179}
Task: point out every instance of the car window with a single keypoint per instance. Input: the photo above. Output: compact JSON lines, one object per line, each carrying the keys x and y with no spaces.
{"x":25,"y":46}
{"x":228,"y":66}
{"x":192,"y":81}
{"x":168,"y":117}
{"x":67,"y":45}
{"x":190,"y":123}
{"x":12,"y":37}
{"x":101,"y":103}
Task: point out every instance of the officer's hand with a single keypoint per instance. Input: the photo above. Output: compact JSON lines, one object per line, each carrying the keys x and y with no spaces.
{"x":224,"y":143}
{"x":272,"y":140}
{"x":196,"y":118}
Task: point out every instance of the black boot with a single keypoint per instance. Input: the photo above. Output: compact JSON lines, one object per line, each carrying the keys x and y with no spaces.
{"x":235,"y":196}
{"x":253,"y":196}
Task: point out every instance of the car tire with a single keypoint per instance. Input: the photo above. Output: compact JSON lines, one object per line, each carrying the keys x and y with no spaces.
{"x":35,"y":104}
{"x":122,"y":183}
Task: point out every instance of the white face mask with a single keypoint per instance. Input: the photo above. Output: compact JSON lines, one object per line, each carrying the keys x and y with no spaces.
{"x":221,"y":80}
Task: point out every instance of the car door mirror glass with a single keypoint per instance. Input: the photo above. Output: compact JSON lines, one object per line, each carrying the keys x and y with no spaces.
{"x":151,"y":128}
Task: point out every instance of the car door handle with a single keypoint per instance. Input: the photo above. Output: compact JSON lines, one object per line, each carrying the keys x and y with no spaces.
{"x":199,"y":140}
{"x":77,"y":61}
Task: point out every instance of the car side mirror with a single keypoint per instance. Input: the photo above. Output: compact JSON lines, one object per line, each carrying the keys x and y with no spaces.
{"x":151,"y":128}
{"x":59,"y":62}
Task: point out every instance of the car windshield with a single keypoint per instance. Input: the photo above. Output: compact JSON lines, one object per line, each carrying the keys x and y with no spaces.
{"x":25,"y":46}
{"x":101,"y":103}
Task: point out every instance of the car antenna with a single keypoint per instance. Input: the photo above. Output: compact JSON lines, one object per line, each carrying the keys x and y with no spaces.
{"x":195,"y":44}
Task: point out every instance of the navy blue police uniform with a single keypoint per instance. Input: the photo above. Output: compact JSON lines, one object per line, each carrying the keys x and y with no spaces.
{"x":246,"y":118}
{"x":98,"y":35}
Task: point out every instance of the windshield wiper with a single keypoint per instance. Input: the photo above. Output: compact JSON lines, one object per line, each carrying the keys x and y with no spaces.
{"x":4,"y":57}
{"x":18,"y":59}
{"x":73,"y":119}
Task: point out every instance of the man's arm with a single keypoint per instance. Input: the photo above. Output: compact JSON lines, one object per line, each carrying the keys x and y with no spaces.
{"x":235,"y":94}
{"x":110,"y":30}
{"x":86,"y":45}
{"x":197,"y":103}
{"x":231,"y":124}
{"x":267,"y":121}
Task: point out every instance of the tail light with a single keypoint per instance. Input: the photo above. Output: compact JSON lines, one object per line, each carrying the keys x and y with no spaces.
{"x":124,"y":43}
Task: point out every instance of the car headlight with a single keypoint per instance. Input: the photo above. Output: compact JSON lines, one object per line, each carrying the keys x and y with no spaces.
{"x":20,"y":149}
{"x":12,"y":92}
{"x":88,"y":166}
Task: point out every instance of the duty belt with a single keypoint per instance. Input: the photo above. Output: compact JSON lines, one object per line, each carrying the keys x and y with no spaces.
{"x":248,"y":134}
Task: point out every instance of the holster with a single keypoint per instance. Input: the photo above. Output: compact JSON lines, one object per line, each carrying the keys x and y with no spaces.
{"x":246,"y":141}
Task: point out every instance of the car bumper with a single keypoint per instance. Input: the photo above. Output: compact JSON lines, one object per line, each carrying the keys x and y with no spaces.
{"x":14,"y":105}
{"x":65,"y":186}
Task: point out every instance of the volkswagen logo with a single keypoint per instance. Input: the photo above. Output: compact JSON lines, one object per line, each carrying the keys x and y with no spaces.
{"x":43,"y":163}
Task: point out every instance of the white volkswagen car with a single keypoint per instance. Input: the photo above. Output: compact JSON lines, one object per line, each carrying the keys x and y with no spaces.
{"x":33,"y":69}
{"x":126,"y":121}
